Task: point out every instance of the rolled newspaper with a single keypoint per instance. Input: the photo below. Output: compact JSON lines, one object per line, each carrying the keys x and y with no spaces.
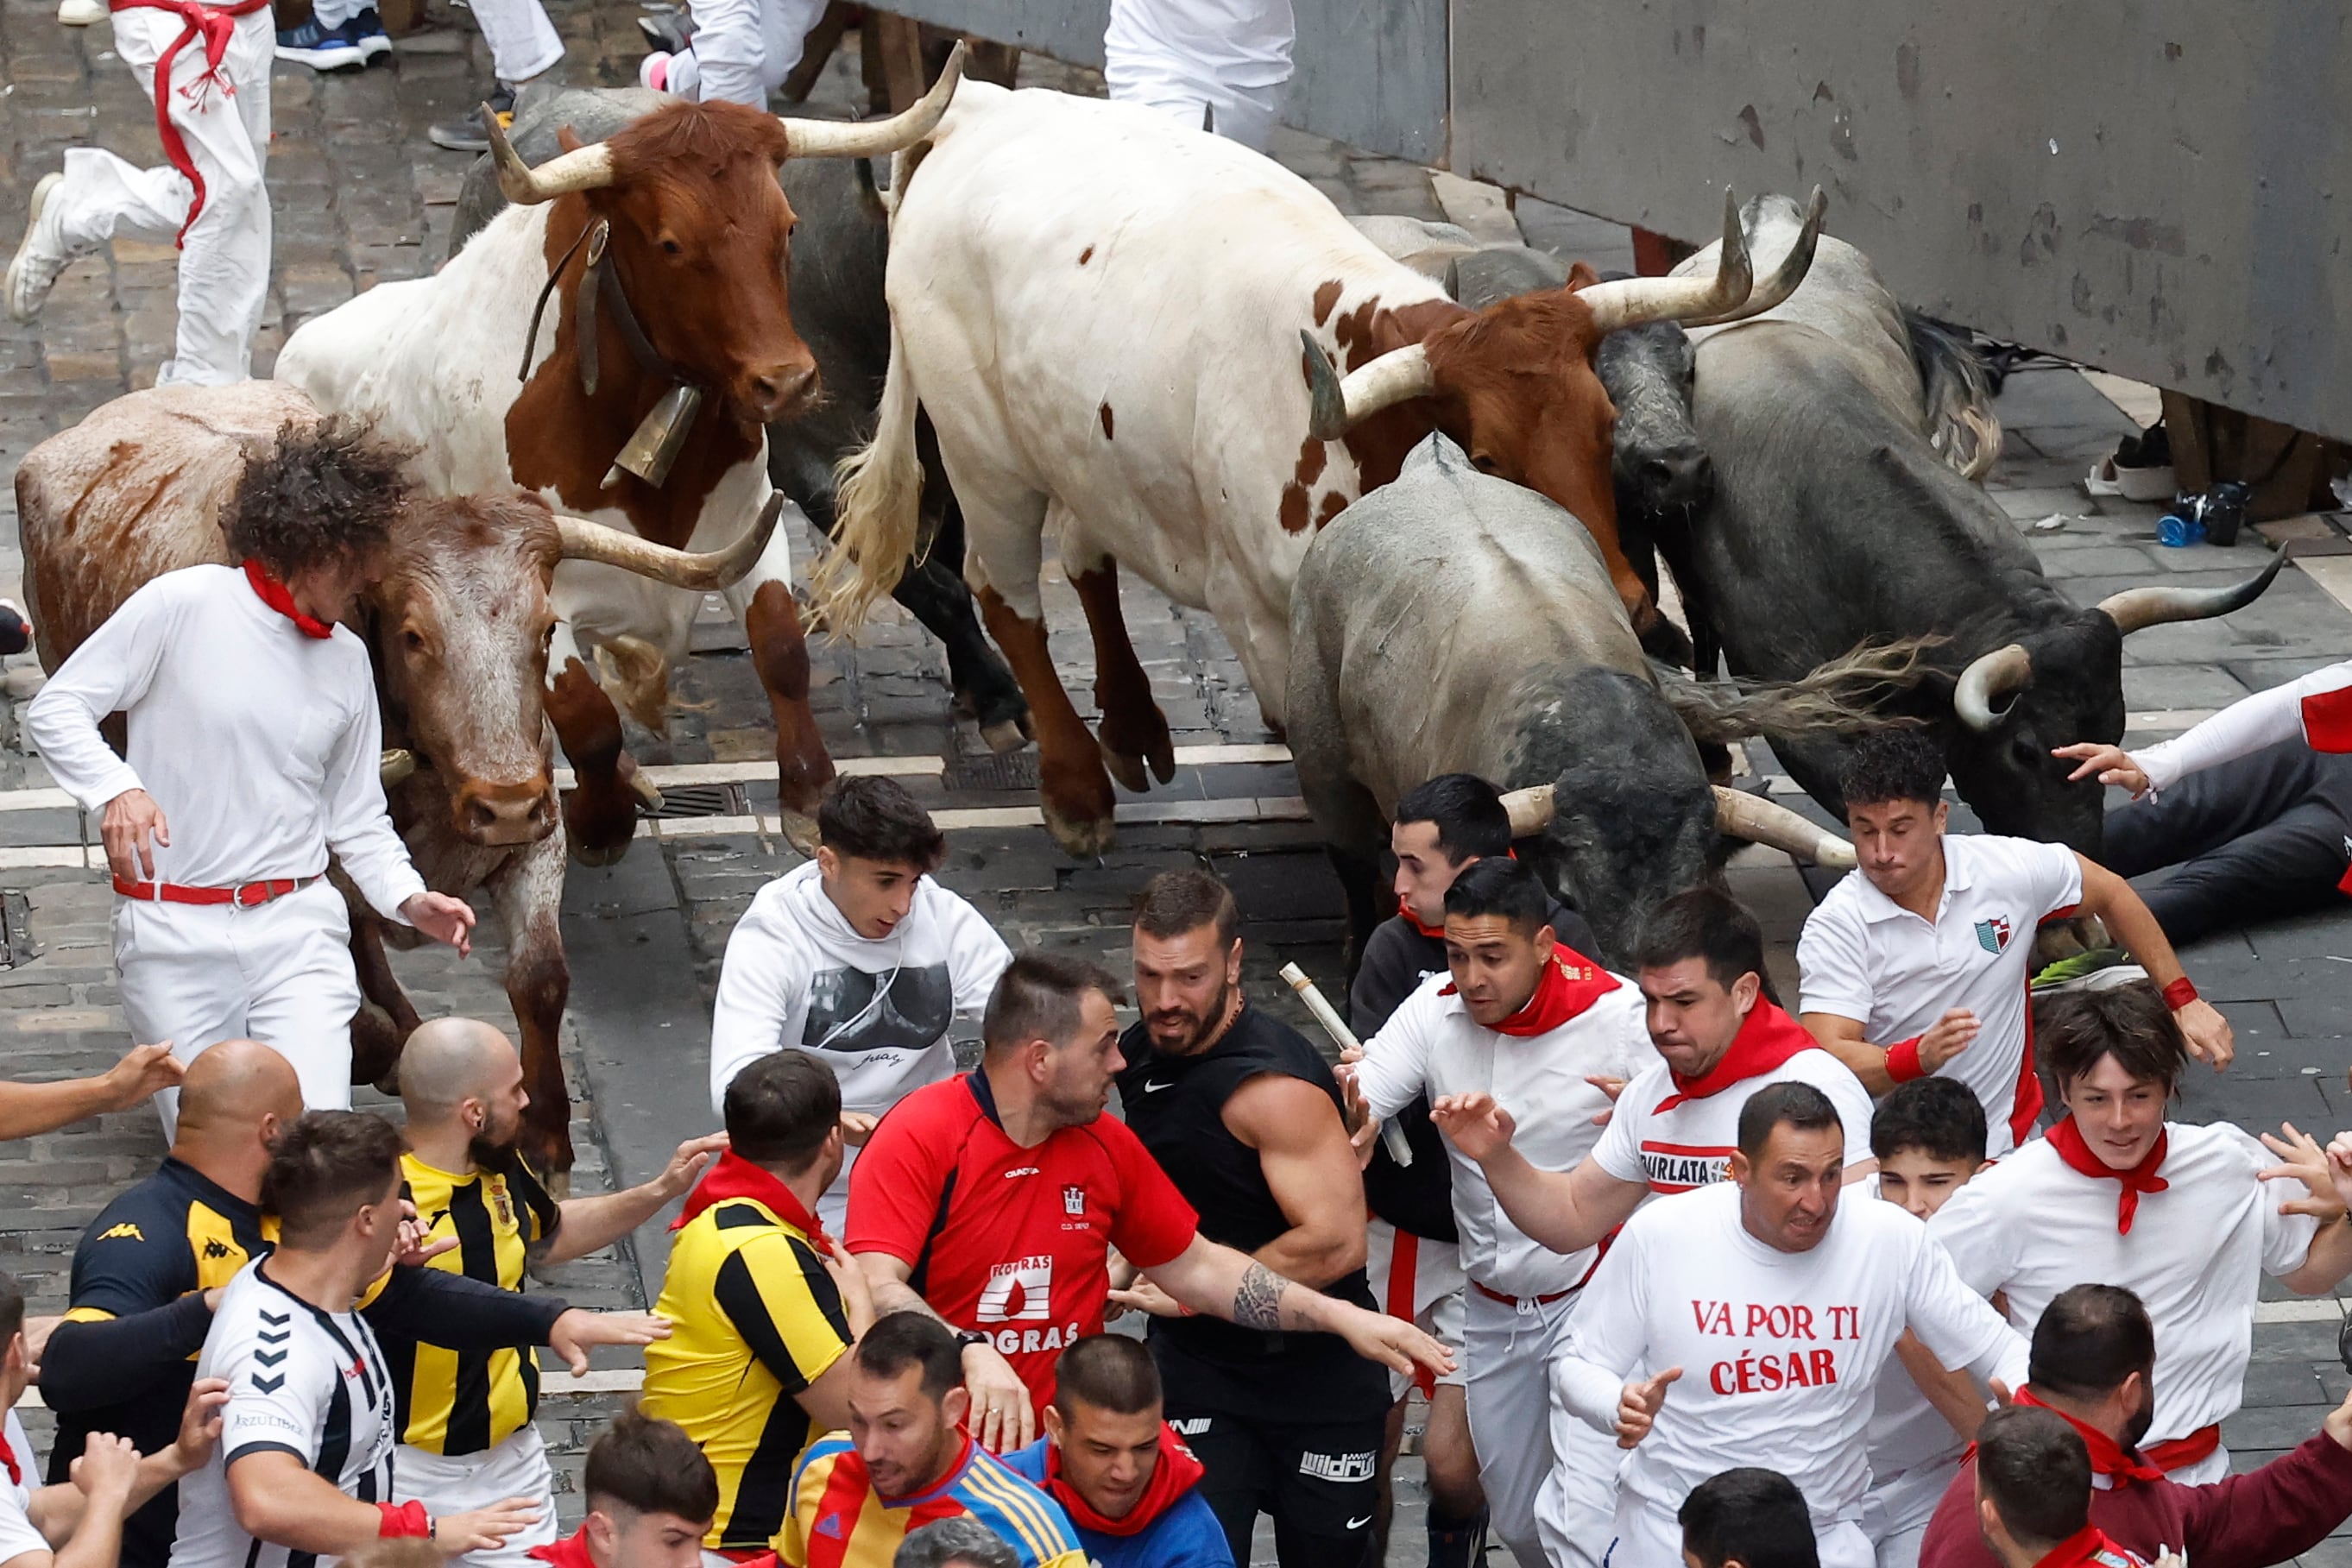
{"x":1391,"y":1135}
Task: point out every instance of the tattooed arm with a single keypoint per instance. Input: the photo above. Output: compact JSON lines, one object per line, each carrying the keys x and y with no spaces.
{"x":1221,"y":1283}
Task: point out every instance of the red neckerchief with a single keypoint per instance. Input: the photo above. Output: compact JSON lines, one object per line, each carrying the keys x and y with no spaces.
{"x":1569,"y":984}
{"x":1174,"y":1475}
{"x":8,"y":1457}
{"x":572,"y":1552}
{"x":2067,"y":1139}
{"x":2089,"y":1546}
{"x":2108,"y":1458}
{"x":1766,"y":1037}
{"x":2327,"y":720}
{"x":280,"y":597}
{"x":1405,"y":913}
{"x":735,"y":1177}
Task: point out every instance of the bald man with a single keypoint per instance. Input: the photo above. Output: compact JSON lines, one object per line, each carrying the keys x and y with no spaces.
{"x":149,"y":1269}
{"x":465,"y":1436}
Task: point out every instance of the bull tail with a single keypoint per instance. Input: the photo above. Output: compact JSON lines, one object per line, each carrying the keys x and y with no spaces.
{"x":1836,"y":698}
{"x":877,"y":507}
{"x":1961,"y":424}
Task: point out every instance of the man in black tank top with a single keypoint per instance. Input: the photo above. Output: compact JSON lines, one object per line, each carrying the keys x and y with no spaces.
{"x":1243,"y":1114}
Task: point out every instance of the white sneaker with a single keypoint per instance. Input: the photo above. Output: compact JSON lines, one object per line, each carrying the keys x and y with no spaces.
{"x":41,"y":255}
{"x":81,"y":13}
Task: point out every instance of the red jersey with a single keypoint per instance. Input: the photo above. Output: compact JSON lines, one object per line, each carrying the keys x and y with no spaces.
{"x":1015,"y":1242}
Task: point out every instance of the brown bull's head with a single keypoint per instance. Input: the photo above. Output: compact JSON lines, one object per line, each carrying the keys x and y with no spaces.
{"x":461,"y":619}
{"x":700,"y":231}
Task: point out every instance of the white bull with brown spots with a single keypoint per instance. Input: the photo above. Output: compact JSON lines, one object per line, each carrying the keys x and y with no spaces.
{"x":1102,"y":313}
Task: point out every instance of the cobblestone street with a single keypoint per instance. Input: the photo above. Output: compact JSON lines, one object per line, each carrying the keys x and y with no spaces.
{"x":362,"y":196}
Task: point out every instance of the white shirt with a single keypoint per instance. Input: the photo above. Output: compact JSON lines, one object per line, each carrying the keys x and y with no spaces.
{"x":1182,"y":44}
{"x":1780,"y":1350}
{"x":2245,"y":725}
{"x":1690,"y":1144}
{"x":1865,"y":957}
{"x":302,"y":1381}
{"x":1431,"y":1043}
{"x":17,"y":1535}
{"x":797,"y":975}
{"x":2032,"y":1225}
{"x":262,"y":745}
{"x":1908,"y":1434}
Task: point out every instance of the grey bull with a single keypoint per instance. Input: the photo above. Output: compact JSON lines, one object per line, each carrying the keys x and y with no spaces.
{"x":1453,"y":622}
{"x":839,"y":248}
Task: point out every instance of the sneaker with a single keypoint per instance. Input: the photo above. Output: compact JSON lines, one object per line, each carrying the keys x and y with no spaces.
{"x":366,"y":31}
{"x":81,"y":13}
{"x":653,"y":71}
{"x":320,"y":49}
{"x":667,"y":35}
{"x":465,"y":133}
{"x":41,"y":255}
{"x":15,"y":632}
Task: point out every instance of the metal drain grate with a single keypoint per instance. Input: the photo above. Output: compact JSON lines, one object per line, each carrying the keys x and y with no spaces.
{"x":994,"y":771}
{"x":700,"y":800}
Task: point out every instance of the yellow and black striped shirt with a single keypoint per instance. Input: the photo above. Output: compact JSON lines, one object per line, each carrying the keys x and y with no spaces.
{"x":463,"y":1402}
{"x":756,"y":1319}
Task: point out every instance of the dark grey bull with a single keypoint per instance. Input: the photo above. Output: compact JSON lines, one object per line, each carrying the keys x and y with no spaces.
{"x":839,"y":250}
{"x":1837,"y":520}
{"x":1453,"y":622}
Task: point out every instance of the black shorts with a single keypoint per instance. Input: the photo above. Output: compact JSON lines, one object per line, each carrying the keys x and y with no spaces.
{"x":1319,"y":1481}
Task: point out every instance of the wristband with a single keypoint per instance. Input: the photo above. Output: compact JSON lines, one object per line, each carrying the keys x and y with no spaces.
{"x":407,"y":1518}
{"x":1903,"y":1061}
{"x":2180,"y":994}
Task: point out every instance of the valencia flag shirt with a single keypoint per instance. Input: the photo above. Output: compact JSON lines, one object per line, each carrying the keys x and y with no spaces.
{"x":1010,"y":1241}
{"x":839,"y":1521}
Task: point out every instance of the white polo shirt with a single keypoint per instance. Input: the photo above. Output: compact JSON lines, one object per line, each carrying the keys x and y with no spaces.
{"x":1865,"y":957}
{"x":1689,"y":1143}
{"x":2032,"y":1225}
{"x":1432,"y":1043}
{"x":1780,"y":1350}
{"x":17,"y":1535}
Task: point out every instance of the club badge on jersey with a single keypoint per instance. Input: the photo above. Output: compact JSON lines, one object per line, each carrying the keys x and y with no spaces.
{"x":1992,"y":934}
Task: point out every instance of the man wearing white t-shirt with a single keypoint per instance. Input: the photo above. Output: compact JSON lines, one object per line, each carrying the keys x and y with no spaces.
{"x":1918,"y":962}
{"x":1718,"y":1038}
{"x":79,"y":1523}
{"x":1218,"y":65}
{"x":2187,"y":1218}
{"x":858,"y":958}
{"x":1534,"y":1024}
{"x":1766,"y":1308}
{"x":256,"y":746}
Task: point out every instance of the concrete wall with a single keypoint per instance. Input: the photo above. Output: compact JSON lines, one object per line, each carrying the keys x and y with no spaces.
{"x":1371,"y":73}
{"x":2149,"y":185}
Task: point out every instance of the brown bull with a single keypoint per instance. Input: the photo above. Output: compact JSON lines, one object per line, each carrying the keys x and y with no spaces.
{"x":458,"y":625}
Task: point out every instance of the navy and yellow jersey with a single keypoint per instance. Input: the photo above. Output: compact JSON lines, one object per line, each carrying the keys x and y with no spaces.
{"x":463,"y":1402}
{"x":150,"y":1255}
{"x":755,"y":1320}
{"x":839,"y":1521}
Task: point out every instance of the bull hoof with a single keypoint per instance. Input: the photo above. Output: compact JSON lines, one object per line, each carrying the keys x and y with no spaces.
{"x":599,"y":854}
{"x":1082,"y":839}
{"x":557,"y":1183}
{"x":1007,"y":735}
{"x":1126,"y":768}
{"x":800,"y":830}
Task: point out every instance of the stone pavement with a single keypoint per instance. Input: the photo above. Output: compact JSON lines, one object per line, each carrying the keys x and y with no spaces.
{"x":362,"y":196}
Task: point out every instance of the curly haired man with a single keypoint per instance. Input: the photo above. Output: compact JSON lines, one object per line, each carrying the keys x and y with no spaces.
{"x":255,"y":746}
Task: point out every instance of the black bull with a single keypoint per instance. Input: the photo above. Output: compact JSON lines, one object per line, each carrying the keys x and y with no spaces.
{"x":839,"y":250}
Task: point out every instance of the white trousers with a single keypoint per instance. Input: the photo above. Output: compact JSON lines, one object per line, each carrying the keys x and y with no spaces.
{"x":515,"y":1468}
{"x":1651,"y":1538}
{"x":1895,"y":1511}
{"x":1427,"y":1294}
{"x":1550,"y":1481}
{"x":280,"y":973}
{"x":523,"y":40}
{"x":224,"y":261}
{"x":743,"y":50}
{"x":1247,"y":115}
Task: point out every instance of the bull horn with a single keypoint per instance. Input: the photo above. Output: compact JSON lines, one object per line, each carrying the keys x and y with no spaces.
{"x":1775,"y":290}
{"x":1990,"y":677}
{"x":1740,"y":815}
{"x":871,"y":139}
{"x":1398,"y":376}
{"x":1633,"y":302}
{"x":581,"y":168}
{"x":584,"y":540}
{"x":2138,"y":608}
{"x":398,"y":763}
{"x":1529,"y":811}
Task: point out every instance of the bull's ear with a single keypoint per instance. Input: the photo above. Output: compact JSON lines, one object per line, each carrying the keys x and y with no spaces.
{"x":569,"y":139}
{"x":1582,"y":275}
